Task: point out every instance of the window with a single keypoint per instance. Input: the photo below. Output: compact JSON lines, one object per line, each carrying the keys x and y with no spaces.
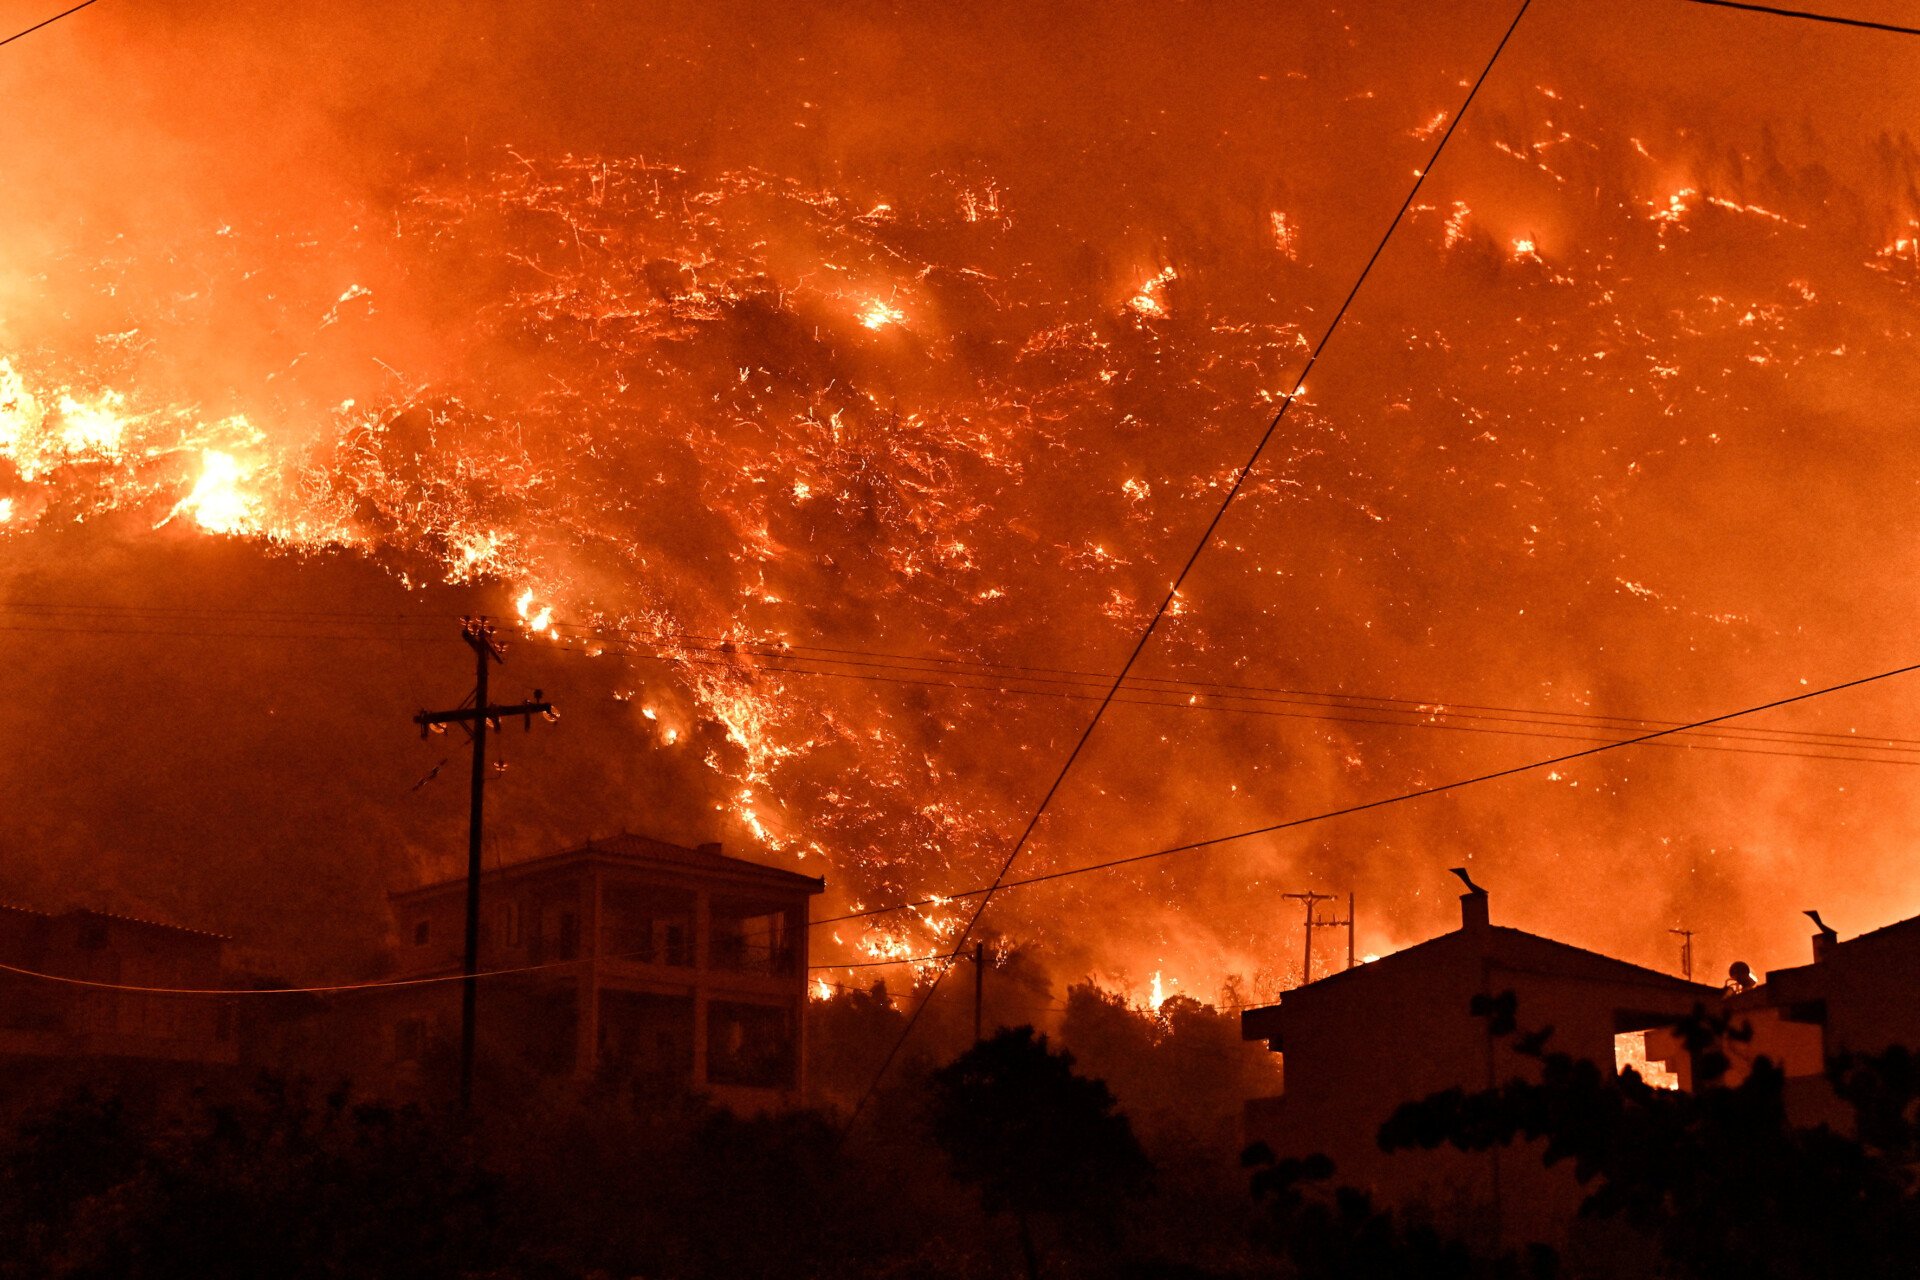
{"x":568,"y":944}
{"x":753,"y":937}
{"x":510,"y":922}
{"x":647,"y":924}
{"x":750,"y":1044}
{"x":420,"y":931}
{"x":646,"y":1036}
{"x":1630,"y":1054}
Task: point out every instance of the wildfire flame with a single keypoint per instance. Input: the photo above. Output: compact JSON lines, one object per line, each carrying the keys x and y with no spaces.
{"x":647,"y":402}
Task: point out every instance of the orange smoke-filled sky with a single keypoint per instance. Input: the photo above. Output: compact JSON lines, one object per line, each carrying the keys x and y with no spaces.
{"x":891,"y":331}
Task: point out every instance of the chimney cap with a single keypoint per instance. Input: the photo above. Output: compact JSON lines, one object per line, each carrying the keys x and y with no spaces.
{"x":1823,"y":941}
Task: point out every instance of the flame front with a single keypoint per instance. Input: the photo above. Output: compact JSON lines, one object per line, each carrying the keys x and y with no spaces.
{"x":704,"y":411}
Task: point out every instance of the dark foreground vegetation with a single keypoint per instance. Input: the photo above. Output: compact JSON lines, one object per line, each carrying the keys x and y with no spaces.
{"x":1012,"y":1158}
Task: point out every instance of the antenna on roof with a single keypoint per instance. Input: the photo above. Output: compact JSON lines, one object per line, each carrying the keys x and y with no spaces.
{"x":1686,"y":952}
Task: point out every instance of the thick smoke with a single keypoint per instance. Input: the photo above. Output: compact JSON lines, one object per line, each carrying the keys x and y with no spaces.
{"x":940,"y":333}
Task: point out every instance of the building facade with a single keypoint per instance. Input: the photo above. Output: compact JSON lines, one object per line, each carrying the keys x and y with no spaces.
{"x":629,"y":956}
{"x":47,"y":1018}
{"x":1855,"y":997}
{"x":1358,"y":1044}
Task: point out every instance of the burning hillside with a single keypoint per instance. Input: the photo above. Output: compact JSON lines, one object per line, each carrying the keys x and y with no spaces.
{"x":836,"y":461}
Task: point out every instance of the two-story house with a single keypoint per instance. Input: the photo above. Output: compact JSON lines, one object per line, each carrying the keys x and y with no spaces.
{"x":47,"y":1018}
{"x":626,"y":955}
{"x":1357,"y":1044}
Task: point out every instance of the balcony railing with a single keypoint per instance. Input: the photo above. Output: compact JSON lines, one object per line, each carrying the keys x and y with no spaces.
{"x":753,"y":955}
{"x":642,"y":946}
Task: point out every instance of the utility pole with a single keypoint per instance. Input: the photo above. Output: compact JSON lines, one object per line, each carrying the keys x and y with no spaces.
{"x":1686,"y":951}
{"x":1306,"y":971}
{"x":478,"y":633}
{"x":979,"y":984}
{"x":1346,"y":924}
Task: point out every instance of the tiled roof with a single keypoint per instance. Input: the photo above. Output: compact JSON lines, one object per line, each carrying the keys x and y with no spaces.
{"x":1499,"y":942}
{"x":150,"y":924}
{"x":112,"y":915}
{"x":639,"y":848}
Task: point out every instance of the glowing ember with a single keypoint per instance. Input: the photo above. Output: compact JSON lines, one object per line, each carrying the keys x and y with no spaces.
{"x":1285,"y":237}
{"x":1148,"y":301}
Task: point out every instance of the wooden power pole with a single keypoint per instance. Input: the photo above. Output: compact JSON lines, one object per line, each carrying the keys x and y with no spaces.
{"x":1311,"y":899}
{"x":478,"y":633}
{"x":1346,"y":924}
{"x":979,"y":984}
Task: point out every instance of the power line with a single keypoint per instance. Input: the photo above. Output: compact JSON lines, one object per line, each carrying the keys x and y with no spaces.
{"x":1046,"y":877}
{"x":1065,"y":683}
{"x":1346,"y":811}
{"x":666,"y":646}
{"x":1845,"y":747}
{"x":205,"y":634}
{"x":1206,"y":538}
{"x":1674,"y":728}
{"x":147,"y":612}
{"x":329,"y":989}
{"x":1836,"y":19}
{"x":27,"y":31}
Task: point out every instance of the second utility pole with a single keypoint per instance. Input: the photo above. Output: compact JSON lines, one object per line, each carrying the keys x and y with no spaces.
{"x":478,"y":633}
{"x":979,"y":984}
{"x":1346,"y":924}
{"x":1306,"y":969}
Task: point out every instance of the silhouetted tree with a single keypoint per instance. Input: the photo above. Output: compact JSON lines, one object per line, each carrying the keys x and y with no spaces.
{"x":847,"y":1038}
{"x":1032,"y":1135}
{"x":1717,"y":1176}
{"x":276,"y":1183}
{"x":1331,"y":1232}
{"x":1183,"y":1072}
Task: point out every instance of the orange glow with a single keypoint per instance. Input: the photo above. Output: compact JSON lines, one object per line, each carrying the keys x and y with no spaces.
{"x":647,"y":386}
{"x":1630,"y":1054}
{"x":219,"y":502}
{"x":1148,"y":302}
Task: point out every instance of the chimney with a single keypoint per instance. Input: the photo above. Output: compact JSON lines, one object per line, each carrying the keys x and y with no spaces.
{"x":1473,"y":910}
{"x":1823,"y":941}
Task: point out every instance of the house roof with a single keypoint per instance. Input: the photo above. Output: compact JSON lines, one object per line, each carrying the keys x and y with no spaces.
{"x":1511,"y":950}
{"x":628,"y":849}
{"x":113,"y":916}
{"x":117,"y":918}
{"x":1807,"y":981}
